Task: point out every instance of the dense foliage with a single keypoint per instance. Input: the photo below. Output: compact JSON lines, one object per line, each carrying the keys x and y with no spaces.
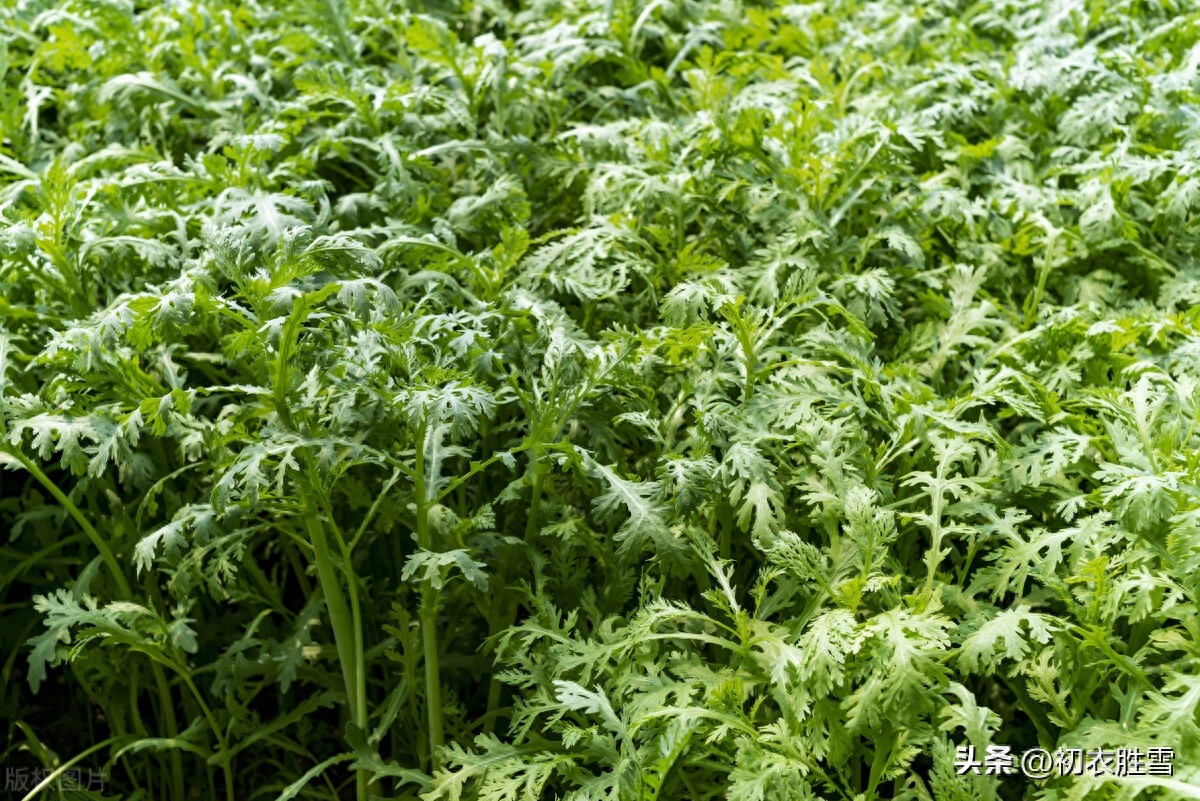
{"x":598,"y":400}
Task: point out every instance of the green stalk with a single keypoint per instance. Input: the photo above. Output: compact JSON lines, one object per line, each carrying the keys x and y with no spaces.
{"x":882,"y":757}
{"x":168,"y":705}
{"x":724,"y":518}
{"x":428,"y":613}
{"x":135,"y":716}
{"x":172,"y":725}
{"x":1036,"y":299}
{"x":509,"y":613}
{"x":226,"y":761}
{"x":934,"y":557}
{"x":287,"y":340}
{"x":359,"y":698}
{"x":342,"y":622}
{"x":345,"y":619}
{"x":749,"y":357}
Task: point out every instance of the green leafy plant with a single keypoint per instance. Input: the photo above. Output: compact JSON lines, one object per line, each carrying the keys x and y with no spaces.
{"x":679,"y":400}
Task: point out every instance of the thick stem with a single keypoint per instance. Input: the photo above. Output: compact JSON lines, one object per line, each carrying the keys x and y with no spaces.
{"x":724,"y":529}
{"x":428,"y":613}
{"x":433,"y":683}
{"x":358,"y":693}
{"x":342,"y":621}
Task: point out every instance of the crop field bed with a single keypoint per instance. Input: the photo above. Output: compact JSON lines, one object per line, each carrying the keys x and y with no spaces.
{"x":598,"y":400}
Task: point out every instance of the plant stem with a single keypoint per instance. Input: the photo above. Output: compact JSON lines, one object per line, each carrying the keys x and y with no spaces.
{"x":359,"y":697}
{"x":343,"y":624}
{"x":750,"y":358}
{"x":172,"y":725}
{"x":226,"y":761}
{"x":724,"y":529}
{"x":1043,"y":274}
{"x":429,"y":604}
{"x":509,"y":613}
{"x":934,"y":557}
{"x":344,"y":619}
